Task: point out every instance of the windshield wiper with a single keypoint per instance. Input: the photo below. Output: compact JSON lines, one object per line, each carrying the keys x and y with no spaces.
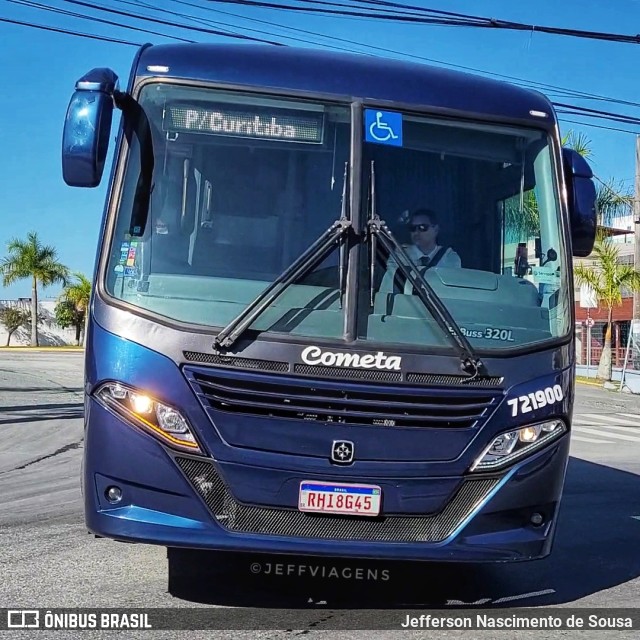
{"x":378,"y":231}
{"x":336,"y":233}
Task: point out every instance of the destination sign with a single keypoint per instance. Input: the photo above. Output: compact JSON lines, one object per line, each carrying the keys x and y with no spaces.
{"x":292,"y":126}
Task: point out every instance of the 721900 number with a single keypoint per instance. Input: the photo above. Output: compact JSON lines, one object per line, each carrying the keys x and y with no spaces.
{"x":536,"y":400}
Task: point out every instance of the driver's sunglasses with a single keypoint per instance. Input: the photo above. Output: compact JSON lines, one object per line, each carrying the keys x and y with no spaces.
{"x":420,"y":227}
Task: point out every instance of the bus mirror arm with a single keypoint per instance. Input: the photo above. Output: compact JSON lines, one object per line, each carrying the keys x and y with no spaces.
{"x":136,"y":124}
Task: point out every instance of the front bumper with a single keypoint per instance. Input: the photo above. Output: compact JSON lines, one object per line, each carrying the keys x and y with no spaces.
{"x":173,"y":503}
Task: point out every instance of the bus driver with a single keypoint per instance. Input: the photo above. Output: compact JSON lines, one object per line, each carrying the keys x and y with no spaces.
{"x":424,"y":250}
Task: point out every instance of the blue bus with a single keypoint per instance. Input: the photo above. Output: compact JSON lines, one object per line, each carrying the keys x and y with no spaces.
{"x":256,"y":380}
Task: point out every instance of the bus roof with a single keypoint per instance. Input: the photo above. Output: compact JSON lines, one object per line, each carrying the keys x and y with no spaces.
{"x":313,"y":71}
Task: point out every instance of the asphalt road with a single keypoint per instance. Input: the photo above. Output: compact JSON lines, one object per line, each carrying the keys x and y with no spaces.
{"x":49,"y":560}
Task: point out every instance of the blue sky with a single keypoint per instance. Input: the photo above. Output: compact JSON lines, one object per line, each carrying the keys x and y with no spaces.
{"x":40,"y":68}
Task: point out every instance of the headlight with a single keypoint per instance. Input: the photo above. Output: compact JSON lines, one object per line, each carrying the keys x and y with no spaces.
{"x":513,"y":445}
{"x":140,"y":409}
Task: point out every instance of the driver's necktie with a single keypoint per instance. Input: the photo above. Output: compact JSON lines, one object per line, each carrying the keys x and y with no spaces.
{"x":423,"y":261}
{"x":424,"y":264}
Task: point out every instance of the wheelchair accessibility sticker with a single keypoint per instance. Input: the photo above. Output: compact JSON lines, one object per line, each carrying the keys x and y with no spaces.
{"x":383,"y":127}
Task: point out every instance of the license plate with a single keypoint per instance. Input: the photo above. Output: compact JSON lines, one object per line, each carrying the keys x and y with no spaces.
{"x":354,"y":499}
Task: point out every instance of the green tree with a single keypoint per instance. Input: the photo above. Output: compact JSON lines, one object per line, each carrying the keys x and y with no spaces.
{"x":12,"y":319}
{"x":614,"y":200}
{"x":521,"y":214}
{"x":31,"y":259}
{"x":577,"y":141}
{"x":73,"y":304}
{"x":608,"y":278}
{"x":68,"y":316}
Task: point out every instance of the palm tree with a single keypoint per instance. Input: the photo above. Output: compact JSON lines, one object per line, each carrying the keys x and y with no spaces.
{"x":521,"y":215}
{"x":613,"y":201}
{"x":608,"y":278}
{"x":31,"y":259}
{"x":579,"y":142}
{"x":78,"y":294}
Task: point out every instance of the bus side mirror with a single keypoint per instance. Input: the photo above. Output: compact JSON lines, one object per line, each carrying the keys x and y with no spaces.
{"x":581,"y":198}
{"x":87,"y":127}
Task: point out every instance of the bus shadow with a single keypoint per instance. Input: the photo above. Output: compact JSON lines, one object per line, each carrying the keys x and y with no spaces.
{"x":595,"y":549}
{"x":40,"y":412}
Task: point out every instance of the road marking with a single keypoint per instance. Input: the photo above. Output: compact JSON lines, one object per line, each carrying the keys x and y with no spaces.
{"x":613,"y":419}
{"x":522,"y":596}
{"x":596,"y":431}
{"x":630,"y":431}
{"x":631,"y":415}
{"x":575,"y":436}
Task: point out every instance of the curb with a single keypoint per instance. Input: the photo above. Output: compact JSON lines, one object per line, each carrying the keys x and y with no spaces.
{"x":589,"y":384}
{"x":39,"y":349}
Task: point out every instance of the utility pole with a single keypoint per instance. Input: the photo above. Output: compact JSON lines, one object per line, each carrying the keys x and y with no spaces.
{"x":636,"y":229}
{"x":636,"y":240}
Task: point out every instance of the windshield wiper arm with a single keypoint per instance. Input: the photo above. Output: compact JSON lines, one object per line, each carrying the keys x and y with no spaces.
{"x":342,"y":268}
{"x":469,"y":361}
{"x":335,"y":233}
{"x":378,"y":231}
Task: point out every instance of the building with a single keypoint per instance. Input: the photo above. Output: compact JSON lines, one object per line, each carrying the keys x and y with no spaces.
{"x":586,"y":314}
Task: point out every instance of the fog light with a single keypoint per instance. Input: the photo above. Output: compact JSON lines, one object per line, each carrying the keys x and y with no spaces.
{"x":537,"y":519}
{"x":113,"y":494}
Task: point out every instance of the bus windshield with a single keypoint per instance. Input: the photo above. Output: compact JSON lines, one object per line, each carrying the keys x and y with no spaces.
{"x":243,"y":184}
{"x":475,"y":207}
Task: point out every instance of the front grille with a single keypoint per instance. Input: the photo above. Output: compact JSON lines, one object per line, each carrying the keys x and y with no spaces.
{"x":345,"y":372}
{"x":348,"y":403}
{"x":431,"y":378}
{"x":317,"y":371}
{"x":234,"y":361}
{"x":242,"y":518}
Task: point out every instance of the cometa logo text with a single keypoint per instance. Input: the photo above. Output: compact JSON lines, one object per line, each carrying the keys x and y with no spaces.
{"x":315,"y":355}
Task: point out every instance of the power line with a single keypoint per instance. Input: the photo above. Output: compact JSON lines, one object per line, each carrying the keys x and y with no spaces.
{"x":529,"y":84}
{"x":569,"y":109}
{"x":596,"y":113}
{"x":216,"y":32}
{"x":452,"y":19}
{"x":514,"y":79}
{"x":392,"y":16}
{"x":140,"y":3}
{"x":350,"y":13}
{"x":597,"y":126}
{"x":69,"y":32}
{"x":73,"y":14}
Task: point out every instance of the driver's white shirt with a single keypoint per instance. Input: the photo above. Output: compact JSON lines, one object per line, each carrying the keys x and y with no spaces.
{"x":450,"y":260}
